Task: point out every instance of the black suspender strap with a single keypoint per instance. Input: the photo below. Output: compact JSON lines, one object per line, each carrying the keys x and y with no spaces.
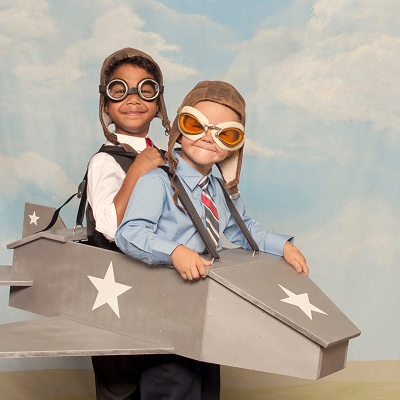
{"x":123,"y":158}
{"x":187,"y":203}
{"x":82,"y":194}
{"x":238,"y":218}
{"x":194,"y":216}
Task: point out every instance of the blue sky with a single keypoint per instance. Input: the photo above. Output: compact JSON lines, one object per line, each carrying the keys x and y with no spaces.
{"x":321,"y":83}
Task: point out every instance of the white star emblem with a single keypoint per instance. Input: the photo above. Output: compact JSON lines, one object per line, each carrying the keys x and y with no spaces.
{"x":109,"y":290}
{"x":302,"y":301}
{"x":33,"y":218}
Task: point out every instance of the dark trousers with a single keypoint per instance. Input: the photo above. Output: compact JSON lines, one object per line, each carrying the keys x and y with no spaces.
{"x":160,"y":377}
{"x":116,"y":377}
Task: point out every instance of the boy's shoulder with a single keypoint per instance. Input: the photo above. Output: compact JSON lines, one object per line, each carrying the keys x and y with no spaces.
{"x":101,"y":157}
{"x":157,"y":173}
{"x":156,"y":180}
{"x":111,"y":154}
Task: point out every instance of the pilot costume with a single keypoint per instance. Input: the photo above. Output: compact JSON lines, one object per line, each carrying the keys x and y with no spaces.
{"x":163,"y":226}
{"x":116,"y":377}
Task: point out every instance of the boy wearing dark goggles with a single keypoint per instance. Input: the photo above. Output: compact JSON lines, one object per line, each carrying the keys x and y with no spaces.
{"x":131,"y":96}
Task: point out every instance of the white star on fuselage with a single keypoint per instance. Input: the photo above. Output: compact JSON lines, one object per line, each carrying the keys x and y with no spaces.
{"x":301,"y":301}
{"x":109,"y":290}
{"x":33,"y":218}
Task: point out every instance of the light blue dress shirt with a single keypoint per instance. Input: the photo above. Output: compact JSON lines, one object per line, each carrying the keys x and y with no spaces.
{"x":153,"y":226}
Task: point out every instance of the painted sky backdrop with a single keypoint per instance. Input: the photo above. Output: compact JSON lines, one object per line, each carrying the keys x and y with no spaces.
{"x":321,"y":80}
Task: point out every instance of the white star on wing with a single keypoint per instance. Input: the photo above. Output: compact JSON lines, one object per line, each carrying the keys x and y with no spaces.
{"x":301,"y":301}
{"x":109,"y":290}
{"x":33,"y":218}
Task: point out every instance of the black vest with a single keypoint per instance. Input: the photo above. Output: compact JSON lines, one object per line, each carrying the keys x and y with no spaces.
{"x":125,"y":160}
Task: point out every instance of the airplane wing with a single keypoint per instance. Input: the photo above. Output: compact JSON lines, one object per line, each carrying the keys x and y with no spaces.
{"x":7,"y":279}
{"x":59,"y":337}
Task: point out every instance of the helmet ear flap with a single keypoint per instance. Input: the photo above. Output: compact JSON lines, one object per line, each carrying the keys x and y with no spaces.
{"x":230,"y":171}
{"x":227,"y":95}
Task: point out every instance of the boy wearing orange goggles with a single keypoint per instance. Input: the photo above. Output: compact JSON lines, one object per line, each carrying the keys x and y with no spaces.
{"x":156,"y":229}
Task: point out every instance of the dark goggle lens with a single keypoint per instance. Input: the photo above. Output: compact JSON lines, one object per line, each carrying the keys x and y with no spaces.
{"x":231,"y":136}
{"x":190,"y":124}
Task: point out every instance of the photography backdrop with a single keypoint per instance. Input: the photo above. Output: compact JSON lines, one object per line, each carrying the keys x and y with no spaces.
{"x":322,"y":84}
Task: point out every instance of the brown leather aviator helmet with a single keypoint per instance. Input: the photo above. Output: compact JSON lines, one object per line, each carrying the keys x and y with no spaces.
{"x":119,"y":55}
{"x":227,"y":95}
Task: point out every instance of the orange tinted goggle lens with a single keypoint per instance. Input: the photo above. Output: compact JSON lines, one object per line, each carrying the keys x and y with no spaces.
{"x":190,"y":124}
{"x":231,"y":136}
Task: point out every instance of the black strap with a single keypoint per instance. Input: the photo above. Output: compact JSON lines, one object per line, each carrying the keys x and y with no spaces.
{"x":194,"y":216}
{"x":56,"y":213}
{"x":238,"y":218}
{"x":124,"y":159}
{"x":187,"y":203}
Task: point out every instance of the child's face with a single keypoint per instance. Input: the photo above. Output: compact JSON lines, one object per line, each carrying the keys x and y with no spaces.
{"x":132,"y":116}
{"x":203,"y":153}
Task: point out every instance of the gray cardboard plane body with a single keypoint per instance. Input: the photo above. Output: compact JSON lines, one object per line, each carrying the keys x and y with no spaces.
{"x":251,"y":311}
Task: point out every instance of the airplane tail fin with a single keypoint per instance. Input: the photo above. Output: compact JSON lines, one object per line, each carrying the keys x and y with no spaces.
{"x":37,"y":217}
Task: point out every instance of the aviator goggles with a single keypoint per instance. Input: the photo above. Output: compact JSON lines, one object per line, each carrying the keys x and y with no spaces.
{"x":193,"y":125}
{"x":118,"y":90}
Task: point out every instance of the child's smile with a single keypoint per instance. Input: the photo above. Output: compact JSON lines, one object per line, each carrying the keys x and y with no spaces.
{"x":203,"y":153}
{"x":133,"y":115}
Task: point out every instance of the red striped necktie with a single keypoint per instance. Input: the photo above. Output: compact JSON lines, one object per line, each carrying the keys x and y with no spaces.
{"x":212,"y":221}
{"x":149,"y":142}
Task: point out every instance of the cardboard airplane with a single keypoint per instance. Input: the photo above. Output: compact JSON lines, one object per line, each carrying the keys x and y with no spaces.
{"x":252,"y":311}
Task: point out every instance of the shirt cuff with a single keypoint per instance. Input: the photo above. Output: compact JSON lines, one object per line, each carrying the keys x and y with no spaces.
{"x":162,"y":250}
{"x":275,"y":242}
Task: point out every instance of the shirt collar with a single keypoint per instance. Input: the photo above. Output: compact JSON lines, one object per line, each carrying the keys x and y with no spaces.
{"x":188,"y":174}
{"x":137,"y":143}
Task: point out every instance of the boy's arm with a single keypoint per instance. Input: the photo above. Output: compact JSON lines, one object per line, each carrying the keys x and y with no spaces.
{"x":145,"y":161}
{"x":105,"y":178}
{"x":268,"y":241}
{"x":137,"y":235}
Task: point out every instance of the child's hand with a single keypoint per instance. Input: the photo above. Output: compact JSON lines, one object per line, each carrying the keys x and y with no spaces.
{"x":148,"y":159}
{"x":294,"y":257}
{"x":188,"y":263}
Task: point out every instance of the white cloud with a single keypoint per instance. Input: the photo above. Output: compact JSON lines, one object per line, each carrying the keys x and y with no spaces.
{"x":358,"y":246}
{"x":58,"y":77}
{"x":340,"y":65}
{"x":21,"y":19}
{"x":32,"y":169}
{"x":354,"y":257}
{"x":361,"y":84}
{"x":255,"y":150}
{"x":116,"y":28}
